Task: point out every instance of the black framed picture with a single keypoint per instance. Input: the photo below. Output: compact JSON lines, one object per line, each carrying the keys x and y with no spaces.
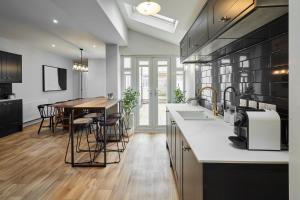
{"x":54,"y":78}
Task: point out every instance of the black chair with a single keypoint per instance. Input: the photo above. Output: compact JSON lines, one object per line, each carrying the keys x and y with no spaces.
{"x":47,"y":111}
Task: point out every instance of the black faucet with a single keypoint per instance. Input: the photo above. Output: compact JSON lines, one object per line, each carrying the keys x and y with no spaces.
{"x":224,"y":96}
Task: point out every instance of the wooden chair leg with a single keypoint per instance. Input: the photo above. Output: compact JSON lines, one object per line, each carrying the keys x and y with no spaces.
{"x":41,"y":126}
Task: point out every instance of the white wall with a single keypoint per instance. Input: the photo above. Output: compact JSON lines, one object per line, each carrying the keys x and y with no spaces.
{"x":294,"y":99}
{"x":31,"y":90}
{"x":190,"y":80}
{"x":141,"y":44}
{"x":94,"y":81}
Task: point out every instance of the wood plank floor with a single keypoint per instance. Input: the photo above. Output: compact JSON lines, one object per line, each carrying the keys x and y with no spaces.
{"x":32,"y":167}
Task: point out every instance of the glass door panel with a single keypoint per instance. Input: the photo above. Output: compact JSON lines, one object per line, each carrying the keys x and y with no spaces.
{"x":144,"y":88}
{"x":162,"y":90}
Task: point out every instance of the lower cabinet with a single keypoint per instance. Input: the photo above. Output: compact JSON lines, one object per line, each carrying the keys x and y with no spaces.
{"x":192,"y":187}
{"x":11,"y":117}
{"x":187,"y":170}
{"x":222,"y":181}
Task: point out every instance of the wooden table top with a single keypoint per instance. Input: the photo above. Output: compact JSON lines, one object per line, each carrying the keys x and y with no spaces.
{"x":88,"y":103}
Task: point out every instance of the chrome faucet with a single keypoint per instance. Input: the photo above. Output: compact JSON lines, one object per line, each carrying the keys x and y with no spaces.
{"x":224,"y":96}
{"x":214,"y":99}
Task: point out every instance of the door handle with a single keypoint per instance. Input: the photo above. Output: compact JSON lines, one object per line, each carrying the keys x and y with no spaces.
{"x":185,"y":148}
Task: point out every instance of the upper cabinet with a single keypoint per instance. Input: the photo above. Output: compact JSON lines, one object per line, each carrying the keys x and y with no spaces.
{"x":198,"y":34}
{"x":10,"y":68}
{"x":222,"y":12}
{"x":223,"y":21}
{"x":184,"y":48}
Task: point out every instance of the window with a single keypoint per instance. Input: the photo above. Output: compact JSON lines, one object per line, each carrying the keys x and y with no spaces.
{"x":179,"y":77}
{"x":127,"y":73}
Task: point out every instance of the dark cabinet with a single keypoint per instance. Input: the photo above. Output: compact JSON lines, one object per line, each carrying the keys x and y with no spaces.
{"x":10,"y":68}
{"x":222,"y":12}
{"x":11,"y":117}
{"x":198,"y":34}
{"x":184,"y":48}
{"x":192,"y":175}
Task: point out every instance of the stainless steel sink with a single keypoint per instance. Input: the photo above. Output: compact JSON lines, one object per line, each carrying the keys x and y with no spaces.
{"x":195,"y":115}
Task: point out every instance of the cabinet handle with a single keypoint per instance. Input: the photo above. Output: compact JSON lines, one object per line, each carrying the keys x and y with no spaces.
{"x":173,"y":122}
{"x":224,"y":19}
{"x":185,"y":148}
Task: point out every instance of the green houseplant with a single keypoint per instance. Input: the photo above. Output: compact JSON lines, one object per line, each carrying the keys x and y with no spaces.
{"x":179,"y":96}
{"x":130,"y":101}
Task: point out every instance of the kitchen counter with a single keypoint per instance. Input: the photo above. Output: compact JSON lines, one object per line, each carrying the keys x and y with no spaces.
{"x":209,"y":141}
{"x":3,"y":100}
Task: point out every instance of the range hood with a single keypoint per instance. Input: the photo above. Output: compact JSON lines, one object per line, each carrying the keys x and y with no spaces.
{"x":261,"y":13}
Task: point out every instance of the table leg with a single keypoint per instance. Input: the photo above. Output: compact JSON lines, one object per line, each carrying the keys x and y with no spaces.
{"x":71,"y":135}
{"x":104,"y":142}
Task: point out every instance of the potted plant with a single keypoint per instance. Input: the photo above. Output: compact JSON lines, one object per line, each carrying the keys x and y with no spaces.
{"x":130,"y":101}
{"x":179,"y":96}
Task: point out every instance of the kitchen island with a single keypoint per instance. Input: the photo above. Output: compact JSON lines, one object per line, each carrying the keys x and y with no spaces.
{"x":207,"y":166}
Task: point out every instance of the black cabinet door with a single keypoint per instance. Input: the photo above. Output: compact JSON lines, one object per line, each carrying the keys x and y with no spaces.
{"x":222,"y":12}
{"x":198,"y":34}
{"x":12,"y":67}
{"x":3,"y":67}
{"x":11,"y":117}
{"x":184,"y":48}
{"x":178,"y":161}
{"x":192,"y":175}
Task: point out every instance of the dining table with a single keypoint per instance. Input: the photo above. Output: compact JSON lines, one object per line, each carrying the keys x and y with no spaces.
{"x":98,"y":104}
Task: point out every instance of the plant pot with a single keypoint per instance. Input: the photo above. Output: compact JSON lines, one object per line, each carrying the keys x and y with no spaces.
{"x":130,"y":123}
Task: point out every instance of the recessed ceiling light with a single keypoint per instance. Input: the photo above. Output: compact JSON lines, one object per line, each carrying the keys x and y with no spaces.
{"x":94,"y":46}
{"x":148,"y":8}
{"x":53,"y":45}
{"x":55,"y":21}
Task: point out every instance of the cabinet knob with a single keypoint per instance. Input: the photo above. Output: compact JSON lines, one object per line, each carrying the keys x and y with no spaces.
{"x":224,"y":19}
{"x":185,"y":148}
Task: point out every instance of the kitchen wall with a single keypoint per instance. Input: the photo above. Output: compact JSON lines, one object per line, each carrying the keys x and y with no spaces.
{"x":31,"y":90}
{"x":294,"y":99}
{"x":94,"y":82}
{"x":256,"y":65}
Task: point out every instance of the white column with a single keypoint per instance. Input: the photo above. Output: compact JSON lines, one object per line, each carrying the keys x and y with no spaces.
{"x":294,"y":99}
{"x":113,"y":70}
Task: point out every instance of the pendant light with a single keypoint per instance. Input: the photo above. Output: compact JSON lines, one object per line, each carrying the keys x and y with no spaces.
{"x":148,"y":8}
{"x":80,"y":66}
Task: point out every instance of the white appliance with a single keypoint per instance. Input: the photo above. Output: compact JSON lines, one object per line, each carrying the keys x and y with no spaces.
{"x":264,"y":130}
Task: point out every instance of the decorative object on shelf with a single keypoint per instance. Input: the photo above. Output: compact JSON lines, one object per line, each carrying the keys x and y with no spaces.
{"x":179,"y":96}
{"x":130,"y":100}
{"x":148,"y":8}
{"x":83,"y":67}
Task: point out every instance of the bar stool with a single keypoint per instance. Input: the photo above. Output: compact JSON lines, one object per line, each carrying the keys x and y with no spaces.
{"x":111,"y":124}
{"x":81,"y":125}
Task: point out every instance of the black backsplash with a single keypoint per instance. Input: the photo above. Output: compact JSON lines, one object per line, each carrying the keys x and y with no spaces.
{"x":5,"y":89}
{"x":256,"y":65}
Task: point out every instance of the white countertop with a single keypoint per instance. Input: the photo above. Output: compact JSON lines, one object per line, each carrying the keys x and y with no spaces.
{"x":209,"y":141}
{"x":3,"y":100}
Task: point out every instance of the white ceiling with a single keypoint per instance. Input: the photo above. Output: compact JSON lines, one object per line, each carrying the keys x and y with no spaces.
{"x":82,"y":23}
{"x":185,"y":11}
{"x":85,"y":23}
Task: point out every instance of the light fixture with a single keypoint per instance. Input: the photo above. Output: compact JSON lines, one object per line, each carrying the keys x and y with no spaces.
{"x":94,"y":46}
{"x":148,"y":8}
{"x":82,"y":67}
{"x":53,"y":45}
{"x":55,"y":21}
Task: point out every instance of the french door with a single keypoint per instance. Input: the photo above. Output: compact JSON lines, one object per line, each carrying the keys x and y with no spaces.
{"x":153,"y":84}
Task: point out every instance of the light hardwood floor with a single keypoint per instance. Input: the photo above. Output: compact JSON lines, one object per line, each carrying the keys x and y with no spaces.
{"x":32,"y":167}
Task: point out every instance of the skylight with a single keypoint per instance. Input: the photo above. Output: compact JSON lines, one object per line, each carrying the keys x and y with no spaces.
{"x":157,"y":21}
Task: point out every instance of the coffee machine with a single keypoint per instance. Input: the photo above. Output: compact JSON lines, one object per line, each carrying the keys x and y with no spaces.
{"x":257,"y":129}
